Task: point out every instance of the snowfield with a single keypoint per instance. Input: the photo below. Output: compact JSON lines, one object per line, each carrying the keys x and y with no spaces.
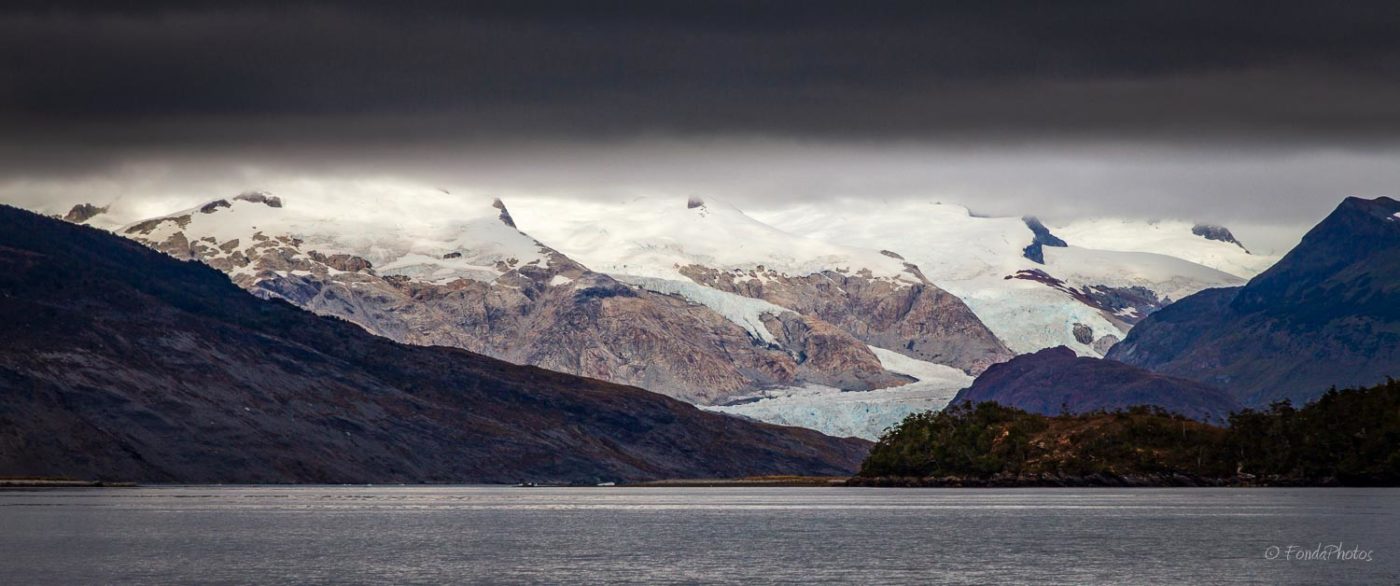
{"x":1167,"y":237}
{"x":422,"y":236}
{"x":655,"y":237}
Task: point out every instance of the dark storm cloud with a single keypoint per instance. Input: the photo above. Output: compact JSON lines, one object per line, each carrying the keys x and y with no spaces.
{"x":1264,"y":112}
{"x":145,"y":72}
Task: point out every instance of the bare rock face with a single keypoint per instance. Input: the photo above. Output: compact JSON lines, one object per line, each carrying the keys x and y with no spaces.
{"x":261,"y":197}
{"x":550,"y":312}
{"x":828,"y":355}
{"x":917,"y":319}
{"x":505,"y":214}
{"x":1104,"y":344}
{"x":1083,"y":334}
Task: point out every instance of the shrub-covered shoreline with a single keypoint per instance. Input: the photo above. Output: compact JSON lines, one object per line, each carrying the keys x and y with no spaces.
{"x":1345,"y":438}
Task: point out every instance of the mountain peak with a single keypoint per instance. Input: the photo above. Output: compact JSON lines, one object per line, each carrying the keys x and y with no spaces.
{"x":261,"y":197}
{"x":83,"y":212}
{"x":1042,"y":238}
{"x":1358,"y":233}
{"x":1380,"y":207}
{"x":1217,"y":233}
{"x":505,"y":213}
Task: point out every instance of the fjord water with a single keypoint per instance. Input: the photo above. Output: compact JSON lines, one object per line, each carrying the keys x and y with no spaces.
{"x":658,"y":535}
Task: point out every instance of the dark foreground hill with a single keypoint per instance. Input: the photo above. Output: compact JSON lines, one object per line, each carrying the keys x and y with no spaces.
{"x":1055,"y":380}
{"x":120,"y":363}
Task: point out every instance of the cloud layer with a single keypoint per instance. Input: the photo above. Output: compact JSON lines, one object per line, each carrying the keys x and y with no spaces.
{"x":1146,"y":107}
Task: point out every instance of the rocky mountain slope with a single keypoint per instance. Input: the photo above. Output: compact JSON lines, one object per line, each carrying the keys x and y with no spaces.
{"x":121,"y":363}
{"x":1055,"y":381}
{"x":1328,"y":313}
{"x":465,"y":276}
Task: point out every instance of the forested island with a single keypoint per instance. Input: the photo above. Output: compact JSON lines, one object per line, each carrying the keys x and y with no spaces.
{"x":1345,"y":438}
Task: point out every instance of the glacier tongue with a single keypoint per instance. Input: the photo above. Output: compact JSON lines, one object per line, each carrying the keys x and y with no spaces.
{"x":860,"y":414}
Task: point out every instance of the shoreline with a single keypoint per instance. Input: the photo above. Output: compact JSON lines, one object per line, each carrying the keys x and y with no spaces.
{"x":61,"y":483}
{"x":996,"y":481}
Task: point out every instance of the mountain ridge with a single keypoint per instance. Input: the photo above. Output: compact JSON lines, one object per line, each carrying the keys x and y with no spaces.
{"x":119,"y":362}
{"x":1327,"y":314}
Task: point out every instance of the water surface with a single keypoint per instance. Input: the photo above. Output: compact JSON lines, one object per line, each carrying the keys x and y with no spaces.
{"x":726,"y":535}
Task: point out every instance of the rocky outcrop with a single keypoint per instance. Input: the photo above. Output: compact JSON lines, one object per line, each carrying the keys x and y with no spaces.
{"x":1042,"y":237}
{"x":83,"y":212}
{"x":261,"y":197}
{"x":1217,"y":233}
{"x":505,"y":214}
{"x":1124,"y":306}
{"x":917,"y":318}
{"x":120,"y":363}
{"x":550,"y":312}
{"x":1055,"y":380}
{"x":1327,"y":314}
{"x":827,"y":355}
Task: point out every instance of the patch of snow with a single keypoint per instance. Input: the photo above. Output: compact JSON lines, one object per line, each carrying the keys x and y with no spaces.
{"x":559,"y":280}
{"x":925,"y":372}
{"x":746,"y":312}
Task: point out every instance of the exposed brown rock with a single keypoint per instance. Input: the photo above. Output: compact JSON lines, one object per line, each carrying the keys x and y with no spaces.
{"x":83,"y":212}
{"x":917,"y":319}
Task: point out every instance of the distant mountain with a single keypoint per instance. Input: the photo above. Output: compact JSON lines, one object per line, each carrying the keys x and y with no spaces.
{"x":1055,"y":381}
{"x":699,"y":300}
{"x":466,"y":276}
{"x":121,"y":363}
{"x":713,"y":253}
{"x":1328,"y":313}
{"x":878,"y":297}
{"x":1034,"y":285}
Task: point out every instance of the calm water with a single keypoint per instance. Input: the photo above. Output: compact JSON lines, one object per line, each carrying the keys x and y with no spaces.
{"x":650,"y":535}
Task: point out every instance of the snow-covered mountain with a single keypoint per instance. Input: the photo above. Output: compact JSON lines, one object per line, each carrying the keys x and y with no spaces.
{"x":1034,"y":286}
{"x":699,"y":247}
{"x":1203,"y":244}
{"x":839,"y":316}
{"x":461,"y":274}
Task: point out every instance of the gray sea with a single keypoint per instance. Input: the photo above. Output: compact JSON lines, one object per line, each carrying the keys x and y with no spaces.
{"x":400,"y":535}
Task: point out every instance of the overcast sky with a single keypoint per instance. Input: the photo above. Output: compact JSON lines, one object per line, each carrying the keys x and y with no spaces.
{"x":1257,"y":113}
